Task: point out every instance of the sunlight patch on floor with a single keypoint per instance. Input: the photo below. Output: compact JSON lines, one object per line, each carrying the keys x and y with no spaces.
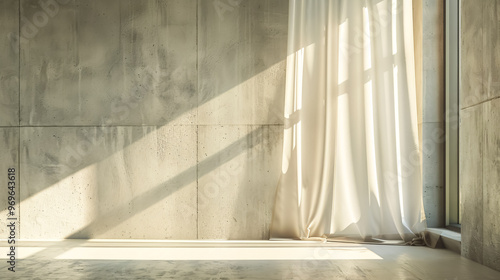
{"x":193,"y":251}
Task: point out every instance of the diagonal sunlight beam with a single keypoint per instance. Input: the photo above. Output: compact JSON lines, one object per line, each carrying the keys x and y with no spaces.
{"x":156,"y":194}
{"x":165,"y":189}
{"x":86,"y":159}
{"x":228,"y":254}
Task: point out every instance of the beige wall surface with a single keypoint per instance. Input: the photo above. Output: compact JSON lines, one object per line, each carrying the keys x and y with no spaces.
{"x":429,"y":35}
{"x":480,"y":131}
{"x":142,"y":119}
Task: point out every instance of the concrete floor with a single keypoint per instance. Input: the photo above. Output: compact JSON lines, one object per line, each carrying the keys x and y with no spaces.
{"x":120,"y":259}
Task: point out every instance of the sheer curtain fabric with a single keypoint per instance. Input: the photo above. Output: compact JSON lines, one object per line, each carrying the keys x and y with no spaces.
{"x":351,"y":161}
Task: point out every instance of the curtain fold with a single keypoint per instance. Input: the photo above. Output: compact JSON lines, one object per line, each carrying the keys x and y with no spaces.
{"x":351,"y":161}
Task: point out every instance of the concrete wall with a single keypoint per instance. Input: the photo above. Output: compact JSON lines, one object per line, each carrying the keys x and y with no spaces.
{"x":9,"y":102}
{"x":480,"y":131}
{"x":142,"y":119}
{"x":432,"y":104}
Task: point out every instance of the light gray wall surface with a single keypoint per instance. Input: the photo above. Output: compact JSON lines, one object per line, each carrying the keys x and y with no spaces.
{"x":480,"y":131}
{"x":432,"y":124}
{"x":143,"y":119}
{"x":9,"y":101}
{"x":9,"y":63}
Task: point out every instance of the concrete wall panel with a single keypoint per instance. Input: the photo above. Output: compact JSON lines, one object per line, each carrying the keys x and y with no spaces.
{"x":117,"y":182}
{"x":471,"y":54}
{"x":110,"y":63}
{"x":433,"y":111}
{"x":242,"y":52}
{"x":433,"y":63}
{"x":9,"y":143}
{"x":491,"y":189}
{"x":471,"y":182}
{"x":479,"y":132}
{"x":433,"y":172}
{"x":9,"y":63}
{"x":236,"y":198}
{"x":491,"y":48}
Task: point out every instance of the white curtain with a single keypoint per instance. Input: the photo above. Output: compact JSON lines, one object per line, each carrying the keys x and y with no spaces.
{"x":351,"y":162}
